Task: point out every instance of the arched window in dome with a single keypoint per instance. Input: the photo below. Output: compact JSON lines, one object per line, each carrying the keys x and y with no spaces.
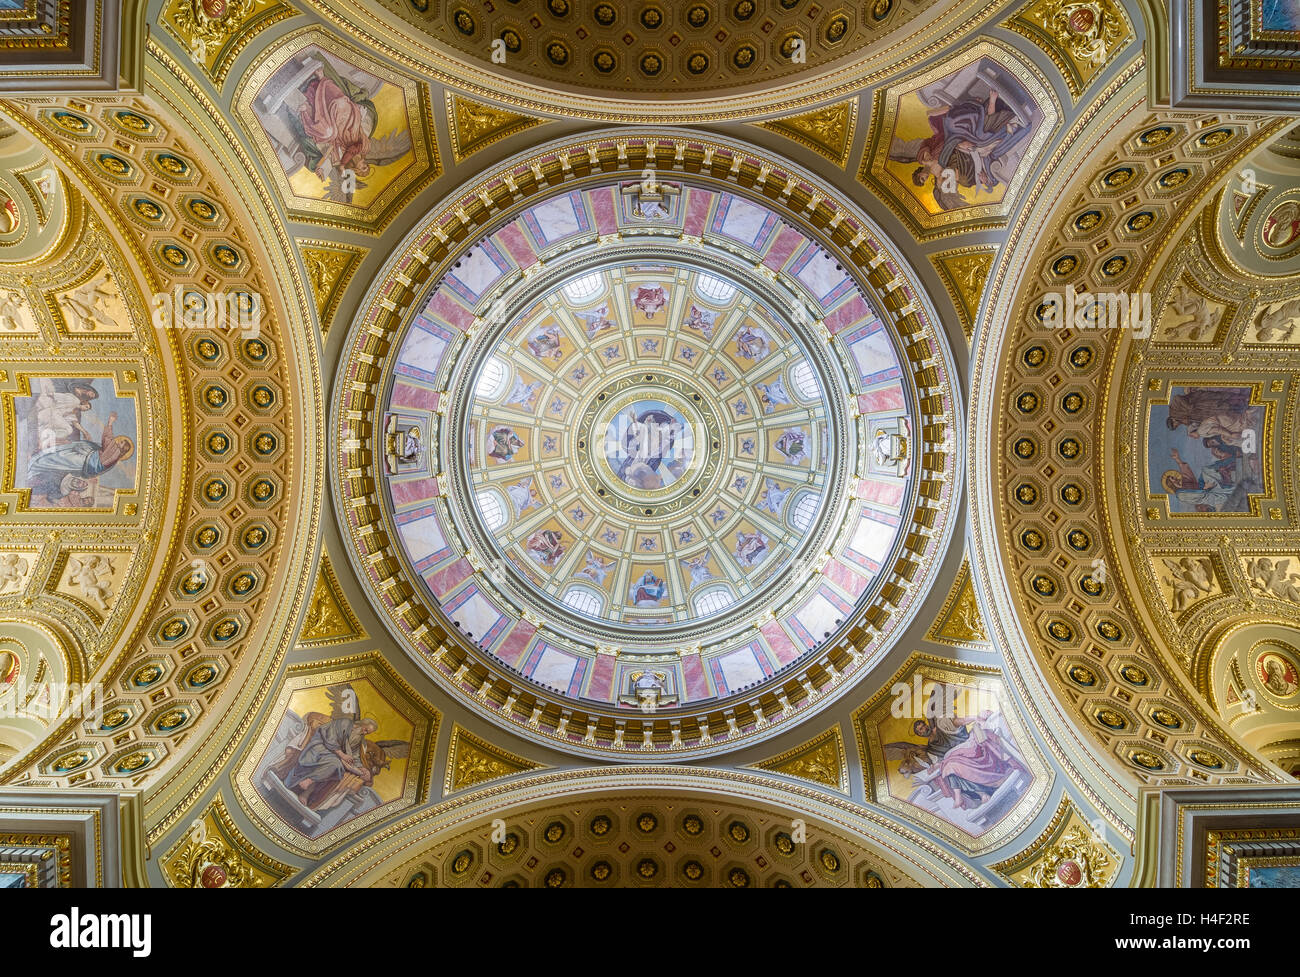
{"x":804,"y":511}
{"x":581,"y":289}
{"x":583,"y":601}
{"x":712,"y":601}
{"x":492,"y":381}
{"x":715,"y":289}
{"x":805,"y":381}
{"x":491,"y":509}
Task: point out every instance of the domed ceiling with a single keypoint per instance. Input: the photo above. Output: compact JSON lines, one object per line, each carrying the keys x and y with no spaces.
{"x":647,"y":447}
{"x":657,"y":50}
{"x":658,"y":60}
{"x":663,"y":477}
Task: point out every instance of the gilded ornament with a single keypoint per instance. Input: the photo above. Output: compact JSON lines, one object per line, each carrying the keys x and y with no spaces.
{"x":1076,"y":861}
{"x":828,"y":131}
{"x":475,"y":125}
{"x":472,"y":761}
{"x":1110,"y":718}
{"x":1165,"y":718}
{"x":1081,"y":36}
{"x":215,"y":855}
{"x":1147,"y":760}
{"x":820,"y":760}
{"x":1133,"y":675}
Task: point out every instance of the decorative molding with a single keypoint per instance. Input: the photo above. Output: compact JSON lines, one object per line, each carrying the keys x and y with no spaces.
{"x":828,"y":130}
{"x":215,"y":854}
{"x":1082,"y":37}
{"x":472,"y":761}
{"x":214,"y":42}
{"x":329,"y":619}
{"x":1071,"y":853}
{"x":476,"y":125}
{"x":960,"y":623}
{"x":330,"y":267}
{"x":965,"y":273}
{"x":821,"y":760}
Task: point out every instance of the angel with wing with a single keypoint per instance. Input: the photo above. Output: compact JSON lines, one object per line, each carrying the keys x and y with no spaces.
{"x":94,"y":574}
{"x":337,"y":760}
{"x":1190,"y":578}
{"x":13,"y":568}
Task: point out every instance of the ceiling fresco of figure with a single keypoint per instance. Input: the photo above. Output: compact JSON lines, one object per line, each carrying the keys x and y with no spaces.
{"x":710,"y":444}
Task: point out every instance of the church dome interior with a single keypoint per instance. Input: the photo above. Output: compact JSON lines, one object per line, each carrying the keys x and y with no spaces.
{"x":710,"y":444}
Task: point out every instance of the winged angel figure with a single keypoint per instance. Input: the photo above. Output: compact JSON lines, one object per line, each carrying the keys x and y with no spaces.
{"x":1191,"y":579}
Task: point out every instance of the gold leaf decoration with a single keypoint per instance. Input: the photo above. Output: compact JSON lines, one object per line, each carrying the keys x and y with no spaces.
{"x":472,"y":761}
{"x":329,"y":269}
{"x":828,"y":131}
{"x":474,"y":126}
{"x":213,"y":41}
{"x":214,"y":854}
{"x":959,"y":623}
{"x":329,"y":619}
{"x":1071,"y":853}
{"x":1080,"y":36}
{"x":965,"y":272}
{"x":820,"y":760}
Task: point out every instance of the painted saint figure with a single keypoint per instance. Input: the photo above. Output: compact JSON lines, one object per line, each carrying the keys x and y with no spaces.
{"x":544,"y":344}
{"x":752,"y":343}
{"x":793,"y":444}
{"x":546,"y":546}
{"x":338,"y":761}
{"x":964,"y":759}
{"x":334,"y":125}
{"x":597,"y":320}
{"x":649,"y":591}
{"x":751,"y":548}
{"x":772,"y":395}
{"x":698,"y":567}
{"x":968,"y":139}
{"x":701,"y":321}
{"x":773,"y":497}
{"x":503,"y":444}
{"x":650,"y":299}
{"x":62,"y":475}
{"x":653,"y":450}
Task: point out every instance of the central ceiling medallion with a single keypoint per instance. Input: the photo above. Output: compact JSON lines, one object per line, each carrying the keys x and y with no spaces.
{"x":643,"y":445}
